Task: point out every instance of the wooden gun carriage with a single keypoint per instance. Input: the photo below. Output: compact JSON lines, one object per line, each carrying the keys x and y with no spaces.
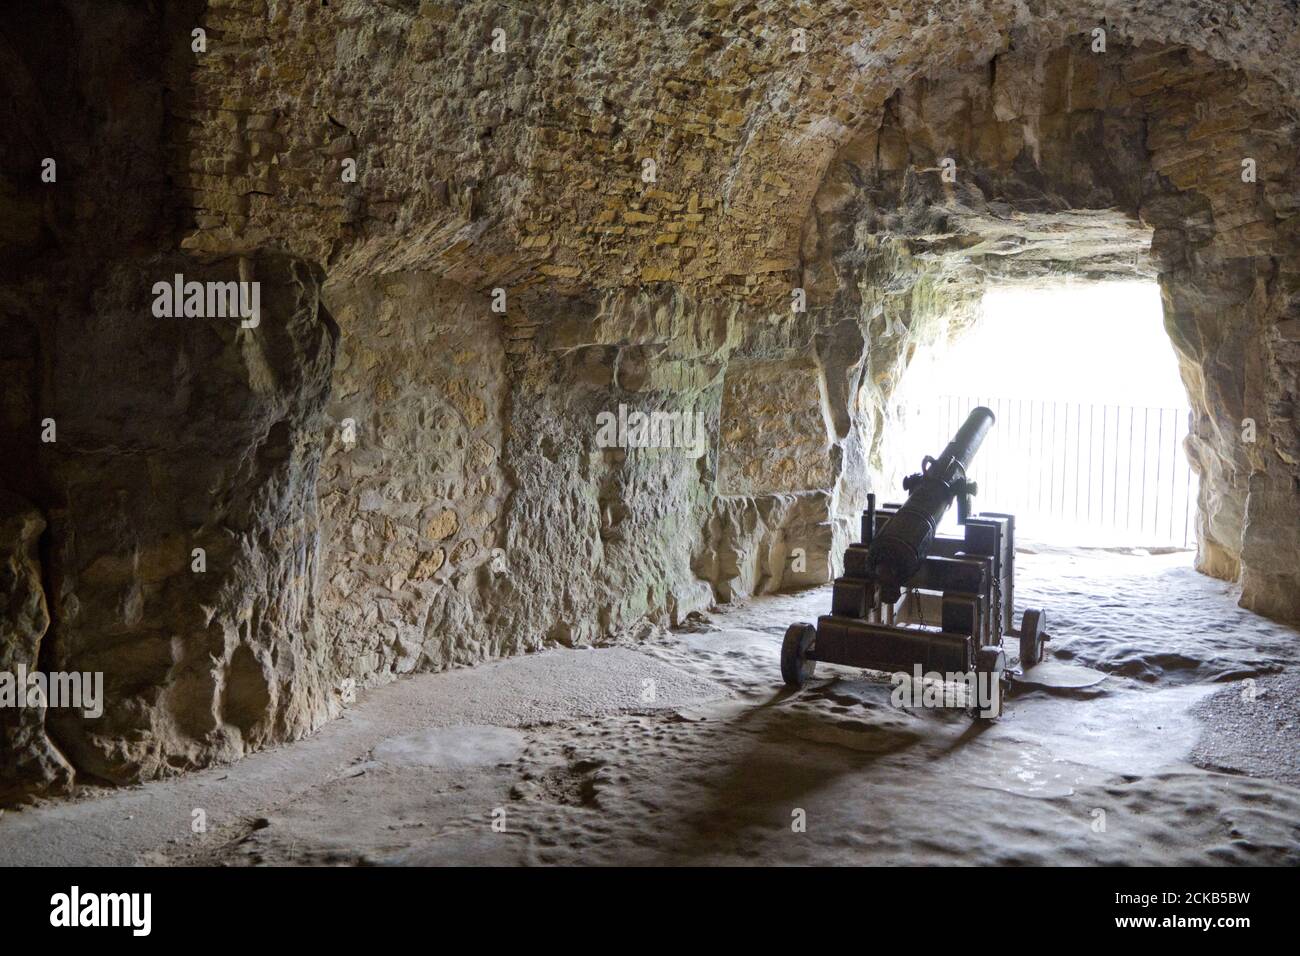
{"x":911,"y":597}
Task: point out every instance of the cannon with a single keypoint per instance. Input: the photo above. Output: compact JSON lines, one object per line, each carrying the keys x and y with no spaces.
{"x":912,"y":598}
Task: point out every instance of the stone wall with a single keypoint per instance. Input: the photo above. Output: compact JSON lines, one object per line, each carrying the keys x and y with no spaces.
{"x":412,"y":486}
{"x":199,"y":435}
{"x":526,"y":165}
{"x":30,"y":763}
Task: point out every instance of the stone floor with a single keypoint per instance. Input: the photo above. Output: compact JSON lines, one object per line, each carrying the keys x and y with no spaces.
{"x":685,"y":748}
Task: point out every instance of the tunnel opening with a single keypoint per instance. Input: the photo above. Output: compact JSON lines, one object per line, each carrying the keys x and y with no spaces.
{"x":1092,"y":415}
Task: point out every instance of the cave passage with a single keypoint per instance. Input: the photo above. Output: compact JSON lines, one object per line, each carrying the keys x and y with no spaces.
{"x":398,"y":499}
{"x":1088,"y":449}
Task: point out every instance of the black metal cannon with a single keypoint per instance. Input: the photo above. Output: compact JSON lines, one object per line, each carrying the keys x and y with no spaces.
{"x":911,"y":597}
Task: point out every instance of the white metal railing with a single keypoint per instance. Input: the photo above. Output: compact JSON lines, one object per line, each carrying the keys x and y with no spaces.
{"x":1072,"y":472}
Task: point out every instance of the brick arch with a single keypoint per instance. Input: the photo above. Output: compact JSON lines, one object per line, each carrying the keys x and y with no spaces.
{"x":858,"y":57}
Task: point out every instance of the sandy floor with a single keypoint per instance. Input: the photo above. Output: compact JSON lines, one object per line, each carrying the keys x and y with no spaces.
{"x":686,"y":749}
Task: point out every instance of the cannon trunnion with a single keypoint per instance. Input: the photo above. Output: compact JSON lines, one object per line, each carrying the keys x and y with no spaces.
{"x":912,"y":598}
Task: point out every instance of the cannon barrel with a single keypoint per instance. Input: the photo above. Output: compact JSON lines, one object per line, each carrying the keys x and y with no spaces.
{"x":897,"y":552}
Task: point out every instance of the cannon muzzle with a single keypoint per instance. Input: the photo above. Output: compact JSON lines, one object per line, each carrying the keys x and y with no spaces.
{"x":903,"y":543}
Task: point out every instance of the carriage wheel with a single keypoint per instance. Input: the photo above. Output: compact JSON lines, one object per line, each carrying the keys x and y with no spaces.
{"x":796,"y":666}
{"x":1031,"y":637}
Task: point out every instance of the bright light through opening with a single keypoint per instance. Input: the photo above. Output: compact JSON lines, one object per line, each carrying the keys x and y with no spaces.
{"x":1091,"y":414}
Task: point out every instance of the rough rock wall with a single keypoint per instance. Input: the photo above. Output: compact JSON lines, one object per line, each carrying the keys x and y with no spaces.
{"x":766,"y":543}
{"x":599,"y":539}
{"x":476,"y":511}
{"x":773,"y":434}
{"x":210,"y":443}
{"x":412,"y":486}
{"x":29,"y":761}
{"x":629,"y":518}
{"x":140,"y":439}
